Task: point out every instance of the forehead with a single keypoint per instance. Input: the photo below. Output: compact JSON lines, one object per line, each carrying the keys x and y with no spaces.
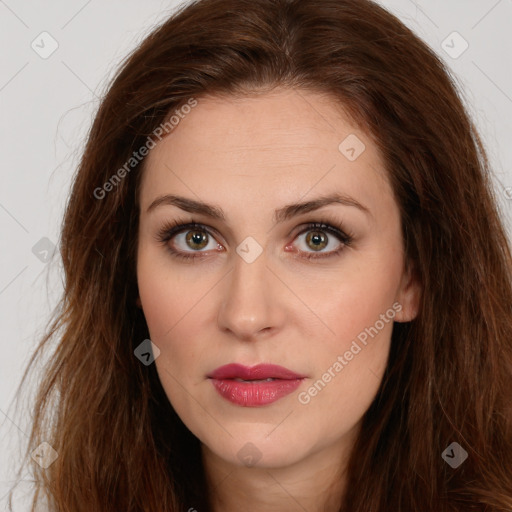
{"x":269,"y":148}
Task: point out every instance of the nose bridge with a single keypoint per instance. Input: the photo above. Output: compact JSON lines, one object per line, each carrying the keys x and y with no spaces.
{"x":249,"y":304}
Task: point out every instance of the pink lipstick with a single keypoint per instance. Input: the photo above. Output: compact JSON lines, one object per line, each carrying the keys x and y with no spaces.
{"x":254,"y":386}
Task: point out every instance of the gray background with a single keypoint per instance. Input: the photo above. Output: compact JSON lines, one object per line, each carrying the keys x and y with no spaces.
{"x":46,"y":109}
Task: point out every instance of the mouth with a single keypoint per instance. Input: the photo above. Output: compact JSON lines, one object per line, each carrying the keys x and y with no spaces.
{"x":270,"y":379}
{"x":254,"y":386}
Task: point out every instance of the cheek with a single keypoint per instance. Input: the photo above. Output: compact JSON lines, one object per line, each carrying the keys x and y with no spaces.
{"x":167,"y":294}
{"x":353,"y":299}
{"x":349,"y":357}
{"x":355,"y":307}
{"x":174,"y":304}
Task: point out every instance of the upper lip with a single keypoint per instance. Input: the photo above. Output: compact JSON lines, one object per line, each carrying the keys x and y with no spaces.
{"x":260,"y":371}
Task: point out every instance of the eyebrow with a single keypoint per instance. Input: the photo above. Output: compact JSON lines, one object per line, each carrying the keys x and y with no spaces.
{"x":280,"y":215}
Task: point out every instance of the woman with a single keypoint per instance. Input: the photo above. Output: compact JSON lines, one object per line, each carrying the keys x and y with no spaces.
{"x":287,"y":286}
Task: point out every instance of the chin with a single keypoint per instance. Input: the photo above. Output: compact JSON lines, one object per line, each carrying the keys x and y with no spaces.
{"x":253,"y":447}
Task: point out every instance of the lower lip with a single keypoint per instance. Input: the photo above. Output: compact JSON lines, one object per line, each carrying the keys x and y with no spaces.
{"x":254,"y":393}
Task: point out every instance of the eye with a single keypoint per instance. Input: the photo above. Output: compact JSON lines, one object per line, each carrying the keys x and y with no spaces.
{"x":191,"y":240}
{"x":319,"y":236}
{"x":187,"y":239}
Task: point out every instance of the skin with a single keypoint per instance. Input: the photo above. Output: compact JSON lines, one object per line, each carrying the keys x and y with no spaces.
{"x":251,"y":155}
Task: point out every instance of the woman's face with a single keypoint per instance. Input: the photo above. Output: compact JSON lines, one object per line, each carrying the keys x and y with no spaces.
{"x":260,"y":286}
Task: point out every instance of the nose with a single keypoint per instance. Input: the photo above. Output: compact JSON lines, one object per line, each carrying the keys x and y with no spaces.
{"x":252,"y":303}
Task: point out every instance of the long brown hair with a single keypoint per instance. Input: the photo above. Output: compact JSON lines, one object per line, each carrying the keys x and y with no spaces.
{"x":120,"y":445}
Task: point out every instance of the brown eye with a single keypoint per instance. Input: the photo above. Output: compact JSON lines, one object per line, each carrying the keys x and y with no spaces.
{"x":316,"y":240}
{"x":188,"y":240}
{"x":196,"y":239}
{"x":318,"y":236}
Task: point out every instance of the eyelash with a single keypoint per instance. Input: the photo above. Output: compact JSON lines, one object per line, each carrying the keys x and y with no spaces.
{"x":173,"y":228}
